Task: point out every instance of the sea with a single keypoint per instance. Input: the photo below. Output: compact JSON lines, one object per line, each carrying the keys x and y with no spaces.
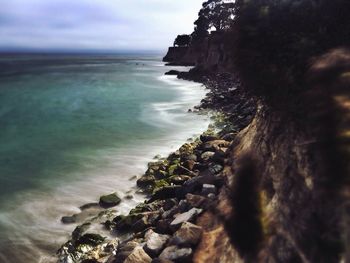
{"x":76,"y":126}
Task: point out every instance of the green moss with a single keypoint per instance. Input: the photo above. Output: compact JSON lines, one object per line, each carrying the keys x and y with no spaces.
{"x":160,"y":184}
{"x":172,"y":169}
{"x":139,"y":209}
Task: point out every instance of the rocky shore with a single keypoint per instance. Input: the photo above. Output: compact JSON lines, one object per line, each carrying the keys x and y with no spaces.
{"x":181,"y":191}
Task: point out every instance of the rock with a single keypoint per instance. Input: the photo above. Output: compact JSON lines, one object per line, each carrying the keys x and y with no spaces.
{"x":212,"y":196}
{"x":161,"y":174}
{"x":111,"y":246}
{"x":194,"y":185}
{"x":80,"y":230}
{"x":170,"y":213}
{"x":90,"y":239}
{"x":216,"y":168}
{"x":185,"y":217}
{"x":206,"y":156}
{"x":68,"y":219}
{"x":89,"y":205}
{"x":146,"y":221}
{"x":169,"y":203}
{"x":196,"y":200}
{"x":173,"y":72}
{"x":219,"y":157}
{"x":124,"y":223}
{"x":145,"y":181}
{"x":183,"y":206}
{"x":165,"y":193}
{"x":163,"y":226}
{"x":124,"y":251}
{"x":138,"y":255}
{"x":178,"y":179}
{"x":155,"y":242}
{"x":187,"y":235}
{"x":129,"y":197}
{"x":172,"y":168}
{"x":159,"y":260}
{"x":229,"y":136}
{"x":176,"y":254}
{"x":208,"y":189}
{"x":132,"y":178}
{"x":192,"y":157}
{"x":207,"y":138}
{"x":157,"y":157}
{"x":215,"y":145}
{"x":189,"y":164}
{"x":89,"y":261}
{"x":110,"y":200}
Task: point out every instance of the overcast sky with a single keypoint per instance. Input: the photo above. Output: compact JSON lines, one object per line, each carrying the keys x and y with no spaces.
{"x":94,"y":24}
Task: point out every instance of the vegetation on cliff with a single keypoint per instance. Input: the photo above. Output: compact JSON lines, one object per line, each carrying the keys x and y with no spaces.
{"x":293,"y":57}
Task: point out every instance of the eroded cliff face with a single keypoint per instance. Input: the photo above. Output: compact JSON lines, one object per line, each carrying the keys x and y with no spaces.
{"x":287,"y":187}
{"x":209,"y":54}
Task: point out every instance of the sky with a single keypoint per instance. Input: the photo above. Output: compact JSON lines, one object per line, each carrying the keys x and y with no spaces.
{"x":100,"y":25}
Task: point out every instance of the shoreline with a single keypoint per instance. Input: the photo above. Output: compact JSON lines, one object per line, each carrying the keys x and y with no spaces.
{"x":180,"y":187}
{"x":35,"y":247}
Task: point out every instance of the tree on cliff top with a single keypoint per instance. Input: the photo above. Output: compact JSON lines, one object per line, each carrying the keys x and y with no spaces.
{"x":217,"y":14}
{"x":214,"y":14}
{"x":182,"y":40}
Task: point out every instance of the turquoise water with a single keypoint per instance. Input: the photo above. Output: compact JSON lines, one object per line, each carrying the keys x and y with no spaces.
{"x":76,"y":126}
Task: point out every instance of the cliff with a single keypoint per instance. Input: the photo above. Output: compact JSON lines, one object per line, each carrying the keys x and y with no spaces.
{"x":287,"y":190}
{"x":209,"y":54}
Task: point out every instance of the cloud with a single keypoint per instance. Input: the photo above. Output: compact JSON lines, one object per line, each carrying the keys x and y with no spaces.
{"x":95,"y":24}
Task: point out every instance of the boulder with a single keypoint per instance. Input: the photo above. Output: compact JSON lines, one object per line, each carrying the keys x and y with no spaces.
{"x":173,"y":72}
{"x":138,"y":255}
{"x":183,"y":206}
{"x":155,"y":242}
{"x":80,"y":230}
{"x":129,"y":197}
{"x":165,"y":193}
{"x":159,"y":260}
{"x":170,"y":203}
{"x":187,"y":235}
{"x":216,"y":168}
{"x":90,"y":239}
{"x":207,"y":138}
{"x":185,"y":217}
{"x":208,"y":189}
{"x":197,"y":201}
{"x":146,"y":180}
{"x":215,"y":145}
{"x":110,"y":200}
{"x":194,"y":185}
{"x":229,"y":136}
{"x":123,"y":252}
{"x":89,"y":206}
{"x":68,"y":219}
{"x":162,"y":226}
{"x":147,"y":220}
{"x":189,"y":164}
{"x":176,"y":254}
{"x":206,"y":156}
{"x":178,"y":179}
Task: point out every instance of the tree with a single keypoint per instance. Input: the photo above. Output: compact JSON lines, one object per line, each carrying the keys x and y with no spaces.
{"x":217,"y":14}
{"x":182,"y":40}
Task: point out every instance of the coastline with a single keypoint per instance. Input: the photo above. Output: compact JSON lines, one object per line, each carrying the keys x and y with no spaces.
{"x":181,"y":187}
{"x":44,"y":214}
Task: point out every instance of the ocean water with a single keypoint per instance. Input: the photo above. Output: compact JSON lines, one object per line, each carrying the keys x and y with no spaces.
{"x":73,"y":127}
